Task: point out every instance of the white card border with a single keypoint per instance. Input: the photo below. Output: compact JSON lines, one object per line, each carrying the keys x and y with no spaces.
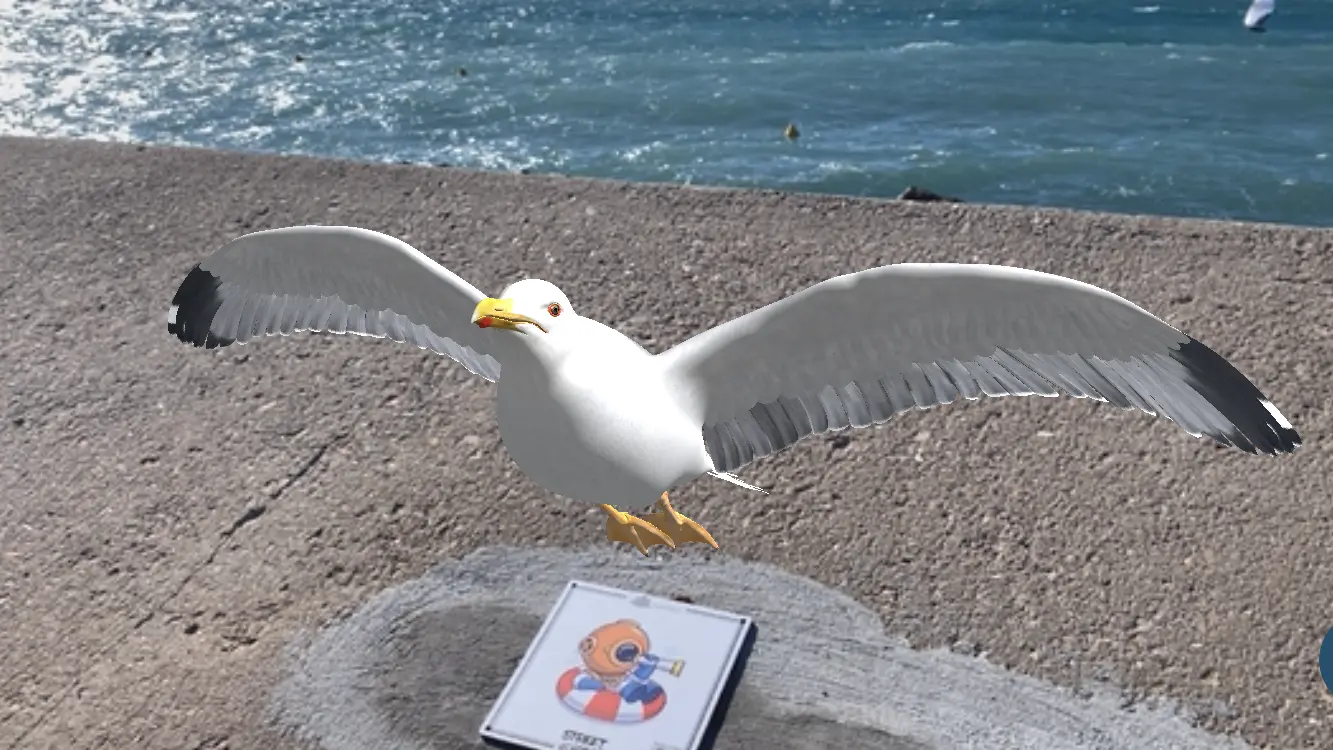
{"x":744,"y":627}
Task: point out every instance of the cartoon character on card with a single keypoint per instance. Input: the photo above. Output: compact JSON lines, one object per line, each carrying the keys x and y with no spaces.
{"x":616,"y":681}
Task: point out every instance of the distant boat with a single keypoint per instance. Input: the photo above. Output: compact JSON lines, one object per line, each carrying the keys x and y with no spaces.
{"x":1258,"y":14}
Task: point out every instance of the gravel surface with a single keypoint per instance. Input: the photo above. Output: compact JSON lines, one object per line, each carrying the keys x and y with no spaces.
{"x":174,"y":517}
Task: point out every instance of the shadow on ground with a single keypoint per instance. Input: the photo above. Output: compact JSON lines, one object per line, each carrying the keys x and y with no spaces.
{"x":420,"y":666}
{"x":441,"y":714}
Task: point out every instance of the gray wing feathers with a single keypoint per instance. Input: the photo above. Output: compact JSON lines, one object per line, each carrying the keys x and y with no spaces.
{"x":856,"y":350}
{"x":1147,"y":384}
{"x":334,"y":279}
{"x":244,"y":316}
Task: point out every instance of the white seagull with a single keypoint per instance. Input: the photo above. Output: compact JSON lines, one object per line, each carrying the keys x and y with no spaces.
{"x":588,"y":414}
{"x":1257,"y":14}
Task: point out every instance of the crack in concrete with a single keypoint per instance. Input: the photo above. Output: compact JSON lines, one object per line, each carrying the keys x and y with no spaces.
{"x":249,"y":515}
{"x":309,"y":464}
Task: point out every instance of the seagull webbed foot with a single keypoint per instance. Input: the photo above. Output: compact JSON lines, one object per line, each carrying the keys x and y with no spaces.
{"x":679,"y":528}
{"x":632,"y":530}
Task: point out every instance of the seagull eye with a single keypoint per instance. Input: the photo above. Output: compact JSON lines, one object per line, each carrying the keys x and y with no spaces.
{"x":553,"y":309}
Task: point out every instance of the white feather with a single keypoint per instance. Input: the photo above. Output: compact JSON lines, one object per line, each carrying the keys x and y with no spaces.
{"x":724,"y":476}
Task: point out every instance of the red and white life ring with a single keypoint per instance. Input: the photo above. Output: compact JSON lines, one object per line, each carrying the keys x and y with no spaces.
{"x":605,"y":705}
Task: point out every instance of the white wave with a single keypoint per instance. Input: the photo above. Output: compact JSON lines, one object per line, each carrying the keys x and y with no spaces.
{"x":917,"y":46}
{"x":89,"y":89}
{"x":635,"y":153}
{"x":510,"y":154}
{"x":279,"y":97}
{"x":248,"y":136}
{"x":826,"y":168}
{"x":1147,"y":9}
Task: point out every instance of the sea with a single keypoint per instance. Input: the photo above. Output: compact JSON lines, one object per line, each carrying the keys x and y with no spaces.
{"x":1117,"y":105}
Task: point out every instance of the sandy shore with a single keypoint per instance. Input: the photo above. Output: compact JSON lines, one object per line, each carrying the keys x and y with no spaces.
{"x":173,"y":518}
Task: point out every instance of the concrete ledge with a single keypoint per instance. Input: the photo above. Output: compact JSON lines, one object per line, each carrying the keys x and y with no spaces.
{"x":171,"y":517}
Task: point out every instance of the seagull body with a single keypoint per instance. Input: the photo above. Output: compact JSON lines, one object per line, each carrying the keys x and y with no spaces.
{"x":1257,"y":14}
{"x":590,"y":415}
{"x":578,"y":417}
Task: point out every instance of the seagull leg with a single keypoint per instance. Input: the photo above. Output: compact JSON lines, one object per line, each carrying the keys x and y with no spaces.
{"x":676,"y":526}
{"x":632,"y":530}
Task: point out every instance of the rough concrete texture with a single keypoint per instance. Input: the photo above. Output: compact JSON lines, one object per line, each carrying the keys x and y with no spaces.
{"x":430,"y":656}
{"x":172,"y":516}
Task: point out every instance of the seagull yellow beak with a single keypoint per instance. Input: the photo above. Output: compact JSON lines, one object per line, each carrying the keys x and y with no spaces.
{"x":499,"y":313}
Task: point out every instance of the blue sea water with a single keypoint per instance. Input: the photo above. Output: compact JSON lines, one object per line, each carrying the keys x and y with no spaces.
{"x":1135,"y":106}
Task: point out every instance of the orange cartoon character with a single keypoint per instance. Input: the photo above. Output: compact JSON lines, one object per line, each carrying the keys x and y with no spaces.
{"x":615,"y":682}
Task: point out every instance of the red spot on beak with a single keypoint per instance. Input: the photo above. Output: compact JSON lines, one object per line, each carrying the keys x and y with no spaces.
{"x":485,"y":322}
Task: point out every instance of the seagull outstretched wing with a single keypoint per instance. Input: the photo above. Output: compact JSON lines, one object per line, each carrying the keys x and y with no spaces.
{"x":334,"y":279}
{"x":857,"y":349}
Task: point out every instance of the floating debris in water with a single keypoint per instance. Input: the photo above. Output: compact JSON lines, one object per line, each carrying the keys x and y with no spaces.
{"x":914,"y":193}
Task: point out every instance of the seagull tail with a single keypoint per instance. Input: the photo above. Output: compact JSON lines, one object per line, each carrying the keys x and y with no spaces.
{"x":724,"y":476}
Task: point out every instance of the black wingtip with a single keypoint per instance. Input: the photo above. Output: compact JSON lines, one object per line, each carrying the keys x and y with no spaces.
{"x":192,"y":310}
{"x":1258,"y":426}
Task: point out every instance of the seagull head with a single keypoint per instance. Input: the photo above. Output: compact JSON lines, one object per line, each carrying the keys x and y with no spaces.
{"x":530,"y":307}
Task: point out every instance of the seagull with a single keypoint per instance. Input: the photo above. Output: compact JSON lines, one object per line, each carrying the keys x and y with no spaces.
{"x":590,"y":415}
{"x":1257,"y":14}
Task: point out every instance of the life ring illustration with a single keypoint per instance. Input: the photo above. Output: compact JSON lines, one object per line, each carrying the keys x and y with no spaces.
{"x":615,"y":682}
